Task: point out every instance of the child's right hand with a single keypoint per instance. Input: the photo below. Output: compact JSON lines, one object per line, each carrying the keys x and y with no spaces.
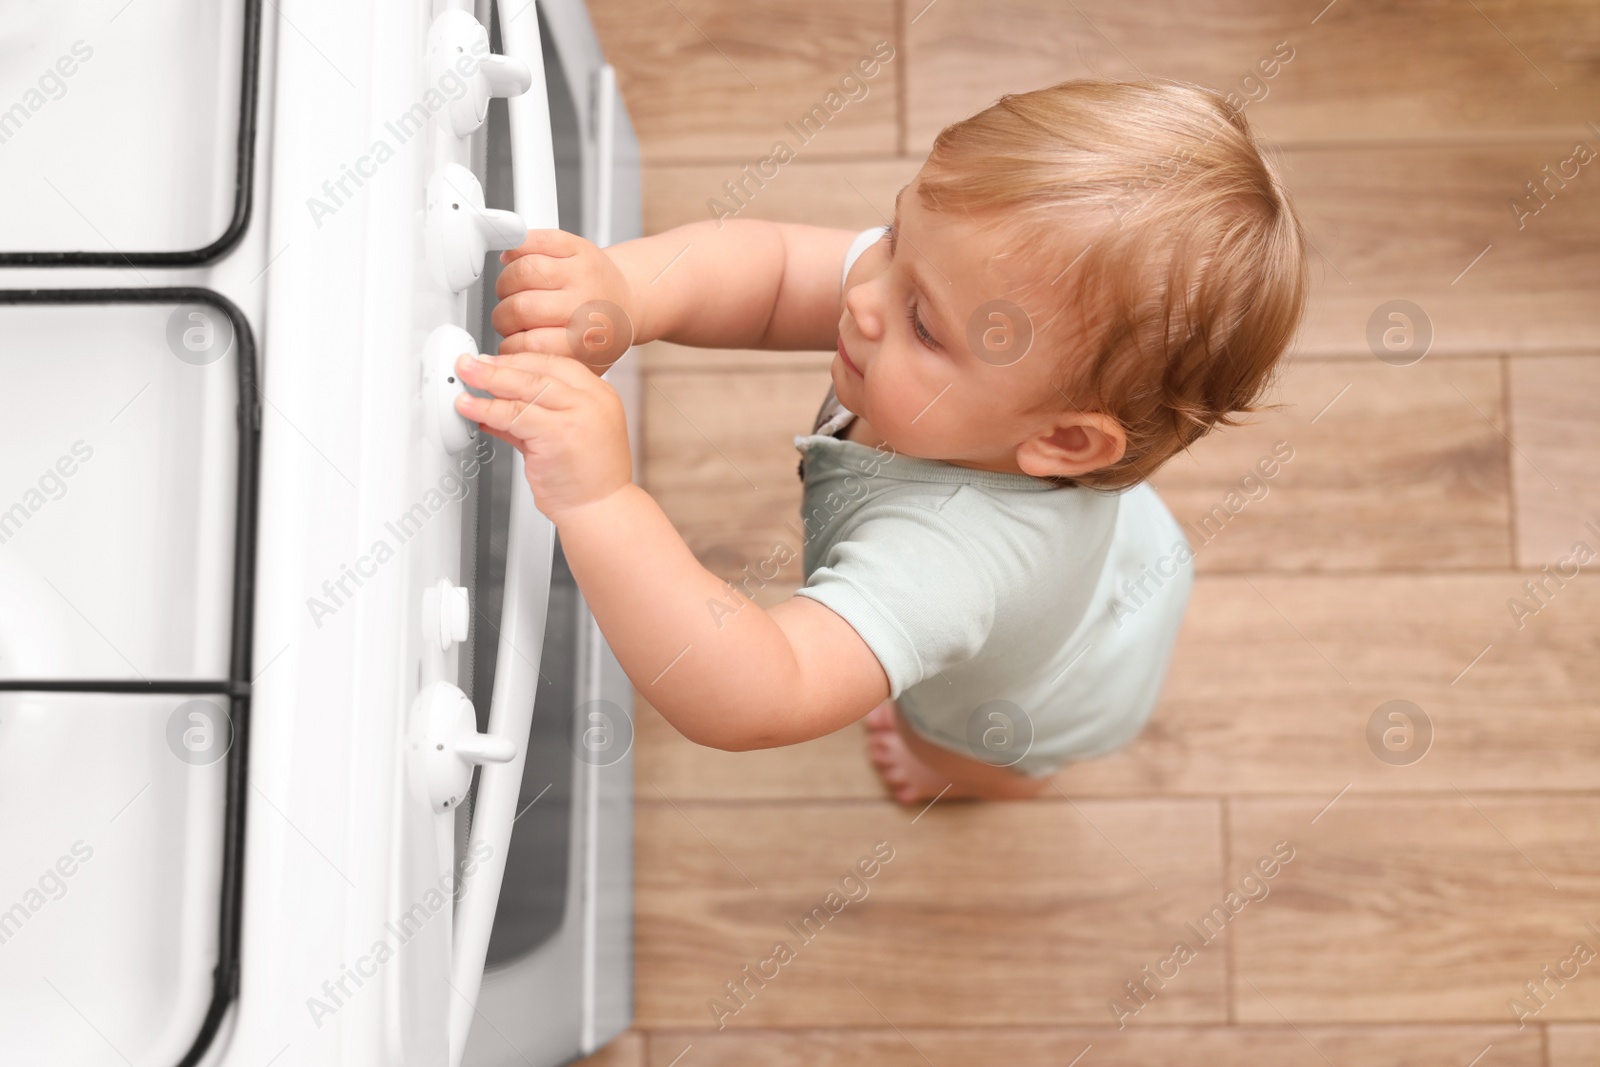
{"x":562,"y":295}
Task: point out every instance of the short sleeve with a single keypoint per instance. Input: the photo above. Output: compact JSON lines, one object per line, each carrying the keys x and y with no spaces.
{"x":909,"y":582}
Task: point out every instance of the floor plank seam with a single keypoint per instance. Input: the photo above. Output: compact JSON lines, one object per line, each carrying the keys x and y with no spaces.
{"x":1225,"y":828}
{"x":1506,"y":408}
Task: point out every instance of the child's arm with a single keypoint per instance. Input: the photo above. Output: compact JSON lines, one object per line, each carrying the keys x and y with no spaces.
{"x":723,"y":671}
{"x":744,"y":284}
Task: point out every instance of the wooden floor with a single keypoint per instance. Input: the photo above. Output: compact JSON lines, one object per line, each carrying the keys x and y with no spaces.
{"x":1378,"y":565}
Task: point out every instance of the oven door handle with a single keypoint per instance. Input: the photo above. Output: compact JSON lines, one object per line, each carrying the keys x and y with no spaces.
{"x":530,"y":549}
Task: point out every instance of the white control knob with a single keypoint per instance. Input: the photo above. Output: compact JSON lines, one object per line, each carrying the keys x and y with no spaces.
{"x":450,"y":744}
{"x":458,"y":46}
{"x":458,"y":231}
{"x":443,"y":424}
{"x":446,"y":614}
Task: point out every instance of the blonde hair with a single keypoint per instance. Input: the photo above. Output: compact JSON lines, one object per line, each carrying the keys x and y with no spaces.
{"x":1194,"y":279}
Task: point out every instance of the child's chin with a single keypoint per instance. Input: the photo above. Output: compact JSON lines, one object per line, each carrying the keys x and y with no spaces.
{"x":844,"y":384}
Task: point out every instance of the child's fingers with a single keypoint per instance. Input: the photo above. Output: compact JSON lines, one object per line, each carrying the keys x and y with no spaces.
{"x":516,"y":418}
{"x":552,"y":340}
{"x":535,"y":270}
{"x":562,"y":368}
{"x":540,"y":339}
{"x":520,"y":377}
{"x":529,"y":309}
{"x":558,"y":243}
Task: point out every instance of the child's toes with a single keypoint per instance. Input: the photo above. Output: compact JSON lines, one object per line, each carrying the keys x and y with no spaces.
{"x":890,"y":766}
{"x":884,"y":750}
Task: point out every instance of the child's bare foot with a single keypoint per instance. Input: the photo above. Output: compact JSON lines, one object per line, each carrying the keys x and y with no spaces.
{"x":907,"y":777}
{"x":915,"y":769}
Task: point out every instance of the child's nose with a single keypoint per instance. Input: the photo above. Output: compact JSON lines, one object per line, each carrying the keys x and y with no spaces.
{"x":866,"y":309}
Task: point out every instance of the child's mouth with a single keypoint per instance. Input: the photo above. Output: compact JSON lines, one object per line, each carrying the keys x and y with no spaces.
{"x":846,"y":357}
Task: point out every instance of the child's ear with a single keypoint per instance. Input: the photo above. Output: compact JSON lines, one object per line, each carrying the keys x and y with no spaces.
{"x":1076,"y":443}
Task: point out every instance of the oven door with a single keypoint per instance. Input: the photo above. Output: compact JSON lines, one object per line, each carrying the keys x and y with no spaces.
{"x":557,"y":978}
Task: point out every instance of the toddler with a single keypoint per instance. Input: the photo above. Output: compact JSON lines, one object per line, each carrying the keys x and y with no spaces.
{"x":1079,"y":282}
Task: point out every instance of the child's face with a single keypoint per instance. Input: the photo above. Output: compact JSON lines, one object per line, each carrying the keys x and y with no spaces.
{"x":959,"y":383}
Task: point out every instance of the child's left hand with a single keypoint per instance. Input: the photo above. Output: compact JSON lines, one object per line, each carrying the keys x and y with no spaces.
{"x":568,"y":424}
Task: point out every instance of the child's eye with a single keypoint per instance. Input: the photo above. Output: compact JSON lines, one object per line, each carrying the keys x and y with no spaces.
{"x":922,"y":334}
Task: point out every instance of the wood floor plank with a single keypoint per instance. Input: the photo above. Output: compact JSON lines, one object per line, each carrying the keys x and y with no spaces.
{"x":705,"y":79}
{"x":1355,"y":73}
{"x":1252,"y":706}
{"x":1554,"y":473}
{"x":721,"y":461}
{"x":1388,"y":468}
{"x":853,"y":193}
{"x":1174,"y":1046}
{"x":1025,"y":914}
{"x":832,"y":767}
{"x":1277,"y":680}
{"x":1419,"y":908}
{"x":628,"y":1049}
{"x":1432,"y":224}
{"x":1574,"y":1046}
